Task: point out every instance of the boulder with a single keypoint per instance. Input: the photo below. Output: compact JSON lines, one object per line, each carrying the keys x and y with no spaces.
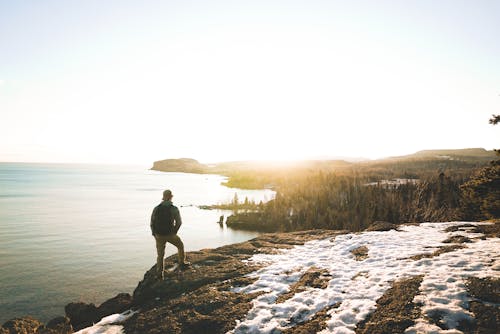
{"x":60,"y":325}
{"x":118,"y":304}
{"x":381,"y":226}
{"x":82,"y":315}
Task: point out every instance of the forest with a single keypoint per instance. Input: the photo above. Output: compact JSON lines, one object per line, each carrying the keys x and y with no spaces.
{"x":401,"y":190}
{"x":431,"y":185}
{"x":352,"y":201}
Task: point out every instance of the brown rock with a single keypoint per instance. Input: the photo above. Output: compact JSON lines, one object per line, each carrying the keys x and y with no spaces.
{"x":216,"y":265}
{"x":439,"y":251}
{"x":486,"y":296}
{"x":395,"y":309}
{"x":457,"y":239}
{"x":360,"y":253}
{"x":118,"y":304}
{"x":200,"y":299}
{"x":314,"y":278}
{"x":316,"y":324}
{"x":26,"y":325}
{"x":60,"y":325}
{"x":82,"y":315}
{"x":381,"y":226}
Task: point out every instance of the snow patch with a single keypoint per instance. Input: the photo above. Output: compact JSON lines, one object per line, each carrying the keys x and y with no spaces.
{"x":109,"y":324}
{"x":358,"y":284}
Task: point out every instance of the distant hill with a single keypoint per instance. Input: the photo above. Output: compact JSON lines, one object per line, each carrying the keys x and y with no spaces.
{"x":187,"y":165}
{"x":478,"y":154}
{"x":431,"y":161}
{"x":184,"y":165}
{"x":267,"y":174}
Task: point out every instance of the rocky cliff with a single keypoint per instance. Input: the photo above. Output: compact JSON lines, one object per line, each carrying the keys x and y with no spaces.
{"x":184,"y":301}
{"x":212,"y":295}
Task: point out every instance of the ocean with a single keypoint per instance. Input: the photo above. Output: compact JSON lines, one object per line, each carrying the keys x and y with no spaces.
{"x":72,"y":233}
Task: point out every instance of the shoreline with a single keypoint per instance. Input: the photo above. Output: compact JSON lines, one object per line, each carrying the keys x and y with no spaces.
{"x":204,"y":294}
{"x":47,"y":267}
{"x":80,"y":315}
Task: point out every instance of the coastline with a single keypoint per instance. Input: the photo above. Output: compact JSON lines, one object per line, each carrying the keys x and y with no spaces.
{"x":207,"y":297}
{"x":82,"y":234}
{"x":210,"y":266}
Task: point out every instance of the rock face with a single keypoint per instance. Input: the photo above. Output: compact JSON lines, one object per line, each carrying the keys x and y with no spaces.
{"x":202,"y":299}
{"x":199,"y":299}
{"x":84,"y":315}
{"x":216,"y":265}
{"x":117,"y":304}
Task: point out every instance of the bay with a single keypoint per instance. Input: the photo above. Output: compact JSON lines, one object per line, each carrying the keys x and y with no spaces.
{"x":73,"y":233}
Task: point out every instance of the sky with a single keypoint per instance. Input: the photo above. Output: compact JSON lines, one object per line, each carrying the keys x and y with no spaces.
{"x":139,"y":81}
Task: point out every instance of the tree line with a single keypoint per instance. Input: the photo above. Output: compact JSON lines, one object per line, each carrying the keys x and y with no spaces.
{"x":351,"y":200}
{"x":330,"y":201}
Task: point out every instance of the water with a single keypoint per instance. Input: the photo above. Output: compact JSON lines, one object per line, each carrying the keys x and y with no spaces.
{"x":81,"y":232}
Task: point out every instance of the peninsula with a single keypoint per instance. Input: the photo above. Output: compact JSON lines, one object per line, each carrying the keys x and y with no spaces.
{"x":269,"y":174}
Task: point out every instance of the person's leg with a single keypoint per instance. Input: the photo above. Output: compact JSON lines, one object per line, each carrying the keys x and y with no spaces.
{"x":177,"y":242}
{"x":160,"y":251}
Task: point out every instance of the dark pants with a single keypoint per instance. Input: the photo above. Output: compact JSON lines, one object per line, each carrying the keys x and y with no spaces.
{"x":161,"y":240}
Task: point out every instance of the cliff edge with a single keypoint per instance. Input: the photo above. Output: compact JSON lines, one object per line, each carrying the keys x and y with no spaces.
{"x":419,"y":278}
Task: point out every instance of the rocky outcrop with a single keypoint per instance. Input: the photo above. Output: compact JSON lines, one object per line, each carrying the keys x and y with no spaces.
{"x":78,"y":316}
{"x":28,"y":325}
{"x":395,"y":310}
{"x":60,"y":325}
{"x":200,"y":299}
{"x":204,"y":298}
{"x":83,"y":315}
{"x":484,"y":306}
{"x":216,"y":265}
{"x":381,"y":226}
{"x":21,"y":326}
{"x":197,"y":299}
{"x":250,"y":221}
{"x":117,"y":304}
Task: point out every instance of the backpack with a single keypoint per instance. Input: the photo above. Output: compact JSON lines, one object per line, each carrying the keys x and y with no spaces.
{"x":162,"y":220}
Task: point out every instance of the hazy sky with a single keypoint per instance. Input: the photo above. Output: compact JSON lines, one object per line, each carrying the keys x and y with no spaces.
{"x":138,"y":81}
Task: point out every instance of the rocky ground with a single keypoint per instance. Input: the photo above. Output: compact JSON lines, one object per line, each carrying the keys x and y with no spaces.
{"x":200,"y":299}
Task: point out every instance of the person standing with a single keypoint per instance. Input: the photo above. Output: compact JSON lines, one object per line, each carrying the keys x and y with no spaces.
{"x":165,"y":222}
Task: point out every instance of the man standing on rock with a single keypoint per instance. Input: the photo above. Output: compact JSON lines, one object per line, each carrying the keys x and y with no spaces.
{"x":165,"y":222}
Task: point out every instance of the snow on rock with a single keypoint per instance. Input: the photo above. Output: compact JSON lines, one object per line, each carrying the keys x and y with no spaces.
{"x":108,"y":325}
{"x":356,"y":285}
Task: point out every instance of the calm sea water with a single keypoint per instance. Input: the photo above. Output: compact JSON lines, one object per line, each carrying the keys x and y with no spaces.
{"x":81,"y":232}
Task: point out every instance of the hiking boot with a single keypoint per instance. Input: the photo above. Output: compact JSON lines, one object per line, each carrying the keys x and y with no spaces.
{"x":185,"y":264}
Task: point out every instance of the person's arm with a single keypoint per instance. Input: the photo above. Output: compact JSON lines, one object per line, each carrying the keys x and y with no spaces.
{"x":177,"y":218}
{"x":151,"y":224}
